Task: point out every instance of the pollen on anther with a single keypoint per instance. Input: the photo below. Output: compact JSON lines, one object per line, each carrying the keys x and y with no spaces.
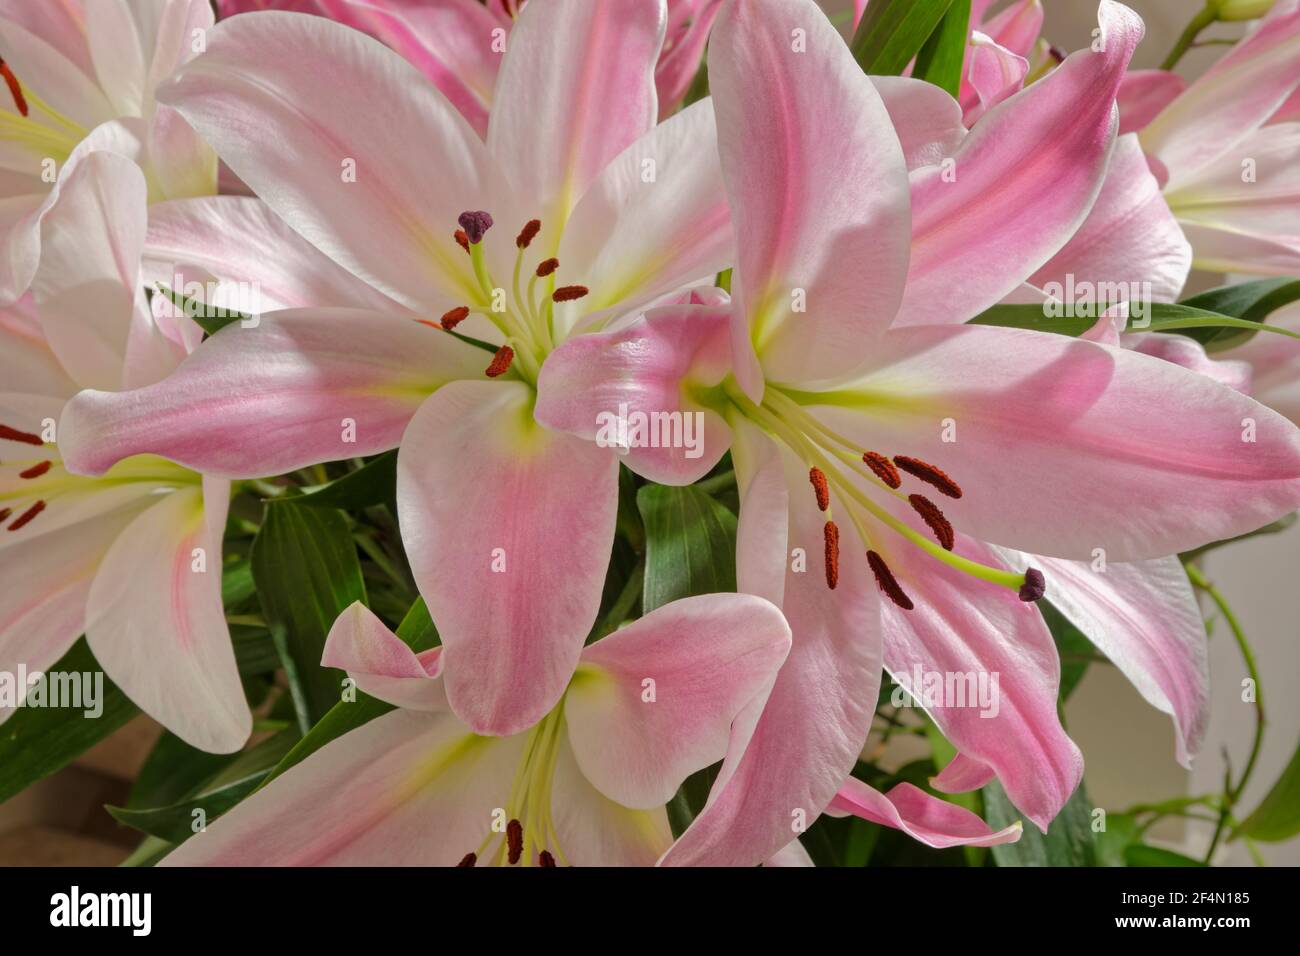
{"x":882,"y":467}
{"x":13,"y":434}
{"x":5,"y":513}
{"x":887,"y":583}
{"x":933,"y":517}
{"x":929,"y":474}
{"x":514,"y":840}
{"x":820,"y":487}
{"x":23,"y":519}
{"x":36,"y":470}
{"x":454,"y":317}
{"x":462,"y":240}
{"x":469,"y":859}
{"x":1035,"y":586}
{"x":832,"y":540}
{"x":545,"y":859}
{"x":547,"y":266}
{"x":15,"y":88}
{"x":476,"y":223}
{"x":526,"y":235}
{"x":500,"y":362}
{"x":567,"y":293}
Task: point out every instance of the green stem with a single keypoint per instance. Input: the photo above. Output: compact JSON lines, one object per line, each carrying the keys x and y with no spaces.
{"x":1232,"y":793}
{"x":1208,"y":15}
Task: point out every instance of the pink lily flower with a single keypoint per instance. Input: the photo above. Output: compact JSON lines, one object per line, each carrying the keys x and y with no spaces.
{"x":1225,"y":150}
{"x":132,"y":559}
{"x":1274,"y":366}
{"x":458,"y":44}
{"x":575,"y":168}
{"x":587,"y":785}
{"x":1031,"y":441}
{"x":80,"y":77}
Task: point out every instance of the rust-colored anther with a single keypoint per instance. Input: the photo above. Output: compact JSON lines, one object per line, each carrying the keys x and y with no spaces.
{"x":887,"y":583}
{"x":831,"y":534}
{"x":1035,"y":586}
{"x":820,"y":487}
{"x":36,"y":470}
{"x":13,"y":434}
{"x":469,"y":859}
{"x":933,"y":517}
{"x":462,"y":240}
{"x":882,"y":467}
{"x":15,"y":88}
{"x":929,"y":474}
{"x":500,"y":362}
{"x":454,"y":317}
{"x":514,"y":840}
{"x":5,"y":513}
{"x":567,"y":293}
{"x":545,"y":859}
{"x":546,"y":267}
{"x":527,"y":234}
{"x":23,"y":519}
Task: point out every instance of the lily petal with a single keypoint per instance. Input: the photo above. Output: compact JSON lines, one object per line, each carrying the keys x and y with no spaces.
{"x":342,"y":154}
{"x":1003,"y":712}
{"x":817,"y":717}
{"x":1083,"y":426}
{"x":86,"y":284}
{"x":1144,"y":617}
{"x":651,"y":367}
{"x":1051,"y":141}
{"x":815,"y":178}
{"x":261,"y":264}
{"x":508,"y":527}
{"x":631,"y":241}
{"x":302,"y":387}
{"x":381,"y":663}
{"x":926,"y":118}
{"x":930,"y":820}
{"x":405,"y":789}
{"x":1143,"y":94}
{"x":576,"y":88}
{"x":1229,"y":101}
{"x":156,"y":625}
{"x":706,"y":658}
{"x":1129,"y":238}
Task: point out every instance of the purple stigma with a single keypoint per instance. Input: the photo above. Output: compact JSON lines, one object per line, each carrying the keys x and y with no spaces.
{"x":1034,"y":587}
{"x":475,"y":225}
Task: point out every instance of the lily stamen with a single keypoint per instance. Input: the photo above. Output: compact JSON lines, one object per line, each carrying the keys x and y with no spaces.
{"x":887,"y":582}
{"x":500,"y":362}
{"x":929,"y":474}
{"x":13,"y":434}
{"x":933,"y":517}
{"x":25,"y":518}
{"x":15,"y":88}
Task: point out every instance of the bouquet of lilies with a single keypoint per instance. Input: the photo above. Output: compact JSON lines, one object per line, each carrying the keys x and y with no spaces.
{"x":609,"y":432}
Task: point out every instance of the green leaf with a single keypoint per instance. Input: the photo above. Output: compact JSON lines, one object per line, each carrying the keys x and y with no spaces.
{"x":174,"y":822}
{"x":1163,"y":318}
{"x":1072,"y":646}
{"x":1139,"y":854}
{"x":1121,"y":832}
{"x":1278,"y":815}
{"x":374,"y":483}
{"x":172,"y":770}
{"x":416,"y":630}
{"x":37,"y":741}
{"x":307,"y":572}
{"x":892,"y":32}
{"x":690,"y":544}
{"x":940,"y":59}
{"x":211,"y":319}
{"x":1069,"y":838}
{"x":1253,"y":301}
